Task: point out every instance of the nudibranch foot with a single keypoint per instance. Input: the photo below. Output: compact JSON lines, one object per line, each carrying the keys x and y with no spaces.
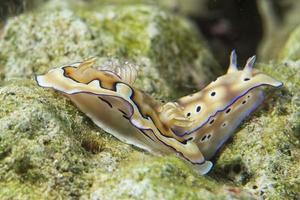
{"x":203,"y":168}
{"x":193,"y":127}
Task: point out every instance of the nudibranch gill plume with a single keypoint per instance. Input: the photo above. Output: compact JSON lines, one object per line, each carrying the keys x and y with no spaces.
{"x":193,"y":127}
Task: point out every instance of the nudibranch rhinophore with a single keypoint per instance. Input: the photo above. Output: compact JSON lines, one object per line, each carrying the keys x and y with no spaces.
{"x":193,"y":127}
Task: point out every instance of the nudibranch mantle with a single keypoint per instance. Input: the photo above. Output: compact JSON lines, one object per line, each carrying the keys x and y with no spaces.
{"x":193,"y":127}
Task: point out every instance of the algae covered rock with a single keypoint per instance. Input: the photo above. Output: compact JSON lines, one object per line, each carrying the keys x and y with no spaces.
{"x":162,"y":178}
{"x":36,"y":144}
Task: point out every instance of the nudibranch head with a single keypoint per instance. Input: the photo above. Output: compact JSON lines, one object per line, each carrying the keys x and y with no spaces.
{"x":246,"y":78}
{"x":224,"y":91}
{"x":221,"y":106}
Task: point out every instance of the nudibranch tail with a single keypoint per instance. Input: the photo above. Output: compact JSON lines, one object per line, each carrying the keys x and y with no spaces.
{"x":193,"y":127}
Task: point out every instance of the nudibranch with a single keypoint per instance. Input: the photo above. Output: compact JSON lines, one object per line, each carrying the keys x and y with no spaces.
{"x":193,"y":127}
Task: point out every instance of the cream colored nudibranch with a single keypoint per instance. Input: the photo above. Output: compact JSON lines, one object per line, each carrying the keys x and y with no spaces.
{"x":193,"y":127}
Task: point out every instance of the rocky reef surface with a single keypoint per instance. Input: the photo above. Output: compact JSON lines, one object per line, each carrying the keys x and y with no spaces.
{"x":50,"y":150}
